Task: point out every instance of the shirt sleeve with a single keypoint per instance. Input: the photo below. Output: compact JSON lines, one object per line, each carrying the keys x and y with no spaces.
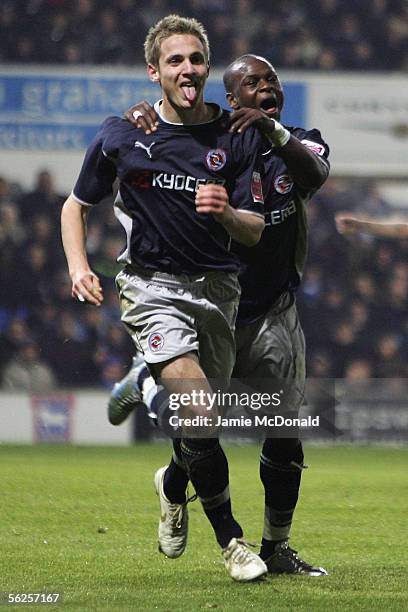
{"x":312,"y":139}
{"x":247,"y":192}
{"x":98,"y":171}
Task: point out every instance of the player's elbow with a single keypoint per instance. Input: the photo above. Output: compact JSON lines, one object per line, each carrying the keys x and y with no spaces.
{"x":254,"y":233}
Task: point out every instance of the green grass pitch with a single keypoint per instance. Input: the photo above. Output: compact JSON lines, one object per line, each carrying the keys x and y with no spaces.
{"x":83,"y":521}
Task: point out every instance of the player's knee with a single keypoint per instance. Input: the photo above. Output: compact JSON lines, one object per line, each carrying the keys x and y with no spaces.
{"x":284,"y":452}
{"x":197,"y":452}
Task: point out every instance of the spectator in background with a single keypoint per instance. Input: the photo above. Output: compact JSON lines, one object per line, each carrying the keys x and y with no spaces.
{"x":320,"y":363}
{"x":15,"y":333}
{"x":342,"y":344}
{"x":152,"y":14}
{"x":44,"y":199}
{"x":32,"y":276}
{"x":390,"y":358}
{"x":27,"y":372}
{"x":358,"y":369}
{"x":360,"y":317}
{"x":246,"y":23}
{"x":364,"y":286}
{"x":12,"y":230}
{"x":72,"y":354}
{"x":109,"y":47}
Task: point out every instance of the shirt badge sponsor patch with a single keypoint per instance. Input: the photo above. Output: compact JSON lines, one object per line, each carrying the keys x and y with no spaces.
{"x":155,"y":342}
{"x":283,"y":183}
{"x":216,"y":159}
{"x":313,"y":146}
{"x":256,"y":188}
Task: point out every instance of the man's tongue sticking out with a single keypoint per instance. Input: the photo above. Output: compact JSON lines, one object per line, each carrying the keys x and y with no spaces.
{"x":190,"y":93}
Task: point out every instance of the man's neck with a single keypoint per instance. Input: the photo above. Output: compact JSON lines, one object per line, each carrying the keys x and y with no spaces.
{"x":201,"y":113}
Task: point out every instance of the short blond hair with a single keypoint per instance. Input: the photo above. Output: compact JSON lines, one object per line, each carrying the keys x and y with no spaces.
{"x":166,"y":27}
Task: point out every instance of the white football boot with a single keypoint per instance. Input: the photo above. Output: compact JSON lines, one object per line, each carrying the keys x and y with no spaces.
{"x":241,"y":563}
{"x":173,"y":525}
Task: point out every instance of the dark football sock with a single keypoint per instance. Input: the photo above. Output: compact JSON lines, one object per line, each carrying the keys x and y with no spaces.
{"x":281,"y":466}
{"x":175,"y":477}
{"x":208,"y":471}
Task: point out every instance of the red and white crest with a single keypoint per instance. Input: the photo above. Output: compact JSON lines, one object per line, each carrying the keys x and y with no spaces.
{"x":216,"y":159}
{"x":283,"y":183}
{"x":155,"y":342}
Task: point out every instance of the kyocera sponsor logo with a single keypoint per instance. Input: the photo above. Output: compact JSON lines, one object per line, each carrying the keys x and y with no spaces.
{"x":181,"y":182}
{"x":275,"y":217}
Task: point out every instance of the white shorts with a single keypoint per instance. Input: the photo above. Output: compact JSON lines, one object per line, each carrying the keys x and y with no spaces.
{"x":168,"y":316}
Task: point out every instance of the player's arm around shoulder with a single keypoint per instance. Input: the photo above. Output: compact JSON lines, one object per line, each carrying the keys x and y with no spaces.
{"x":85,"y":284}
{"x":305,"y":159}
{"x":243,"y":226}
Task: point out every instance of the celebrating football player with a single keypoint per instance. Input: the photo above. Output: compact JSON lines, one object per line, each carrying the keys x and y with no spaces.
{"x":269,"y":338}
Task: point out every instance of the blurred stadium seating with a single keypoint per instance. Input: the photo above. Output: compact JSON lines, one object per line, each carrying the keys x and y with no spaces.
{"x":316,"y":35}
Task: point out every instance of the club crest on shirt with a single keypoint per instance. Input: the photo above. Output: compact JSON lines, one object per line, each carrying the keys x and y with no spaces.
{"x":283,"y":183}
{"x":155,"y":342}
{"x":216,"y":159}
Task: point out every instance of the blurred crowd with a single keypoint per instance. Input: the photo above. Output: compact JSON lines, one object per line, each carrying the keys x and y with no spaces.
{"x":47,"y":338}
{"x":317,"y":34}
{"x":353,"y":301}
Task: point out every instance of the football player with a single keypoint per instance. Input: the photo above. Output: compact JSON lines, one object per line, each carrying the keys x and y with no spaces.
{"x":269,"y":338}
{"x":184,"y":192}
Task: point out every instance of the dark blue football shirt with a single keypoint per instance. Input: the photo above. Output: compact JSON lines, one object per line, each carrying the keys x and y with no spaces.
{"x":276,"y":263}
{"x":158,"y":177}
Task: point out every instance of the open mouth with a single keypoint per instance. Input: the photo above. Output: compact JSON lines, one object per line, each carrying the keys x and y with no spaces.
{"x":269,"y":106}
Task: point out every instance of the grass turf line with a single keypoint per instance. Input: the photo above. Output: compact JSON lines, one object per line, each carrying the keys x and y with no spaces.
{"x":83,"y":521}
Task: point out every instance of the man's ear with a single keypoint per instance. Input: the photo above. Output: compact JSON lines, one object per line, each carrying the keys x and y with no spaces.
{"x":153,"y":73}
{"x":232,"y":101}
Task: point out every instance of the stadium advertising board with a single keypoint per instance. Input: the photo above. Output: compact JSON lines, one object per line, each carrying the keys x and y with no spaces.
{"x":60,"y":417}
{"x":365,"y":119}
{"x":52,"y":418}
{"x":53,"y":111}
{"x":62,"y":112}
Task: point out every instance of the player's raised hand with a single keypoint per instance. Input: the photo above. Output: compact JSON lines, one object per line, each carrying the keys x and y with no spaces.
{"x":346,"y":224}
{"x":242,"y":118}
{"x":212,"y":199}
{"x":142,"y":115}
{"x":87,"y":288}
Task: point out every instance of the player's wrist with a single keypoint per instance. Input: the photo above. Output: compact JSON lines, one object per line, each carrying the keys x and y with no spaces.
{"x":226,"y":216}
{"x":279,"y":135}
